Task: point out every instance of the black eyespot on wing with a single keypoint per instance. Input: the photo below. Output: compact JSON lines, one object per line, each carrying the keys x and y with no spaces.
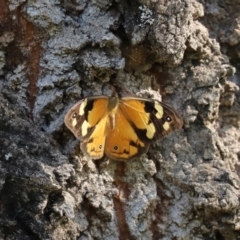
{"x":168,"y":119}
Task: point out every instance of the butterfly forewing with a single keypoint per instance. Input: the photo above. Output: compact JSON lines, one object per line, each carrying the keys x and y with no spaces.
{"x":165,"y":120}
{"x":150,"y":119}
{"x":83,"y":117}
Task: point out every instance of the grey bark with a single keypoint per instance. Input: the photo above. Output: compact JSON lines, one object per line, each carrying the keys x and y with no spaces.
{"x":53,"y":53}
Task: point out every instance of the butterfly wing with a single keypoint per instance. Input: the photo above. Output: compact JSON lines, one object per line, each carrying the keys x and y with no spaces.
{"x":82,"y":118}
{"x":151,"y":119}
{"x":87,"y":120}
{"x":95,"y":144}
{"x":122,"y":142}
{"x":123,"y":131}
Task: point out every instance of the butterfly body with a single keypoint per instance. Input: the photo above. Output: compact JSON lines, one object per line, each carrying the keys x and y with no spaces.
{"x":120,"y":128}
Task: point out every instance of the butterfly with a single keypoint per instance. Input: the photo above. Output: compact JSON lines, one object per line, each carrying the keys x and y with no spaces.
{"x":120,"y":128}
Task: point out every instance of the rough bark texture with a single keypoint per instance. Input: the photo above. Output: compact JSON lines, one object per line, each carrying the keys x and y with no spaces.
{"x":53,"y":53}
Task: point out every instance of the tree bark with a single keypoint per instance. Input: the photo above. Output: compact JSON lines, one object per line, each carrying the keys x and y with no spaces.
{"x":54,"y":53}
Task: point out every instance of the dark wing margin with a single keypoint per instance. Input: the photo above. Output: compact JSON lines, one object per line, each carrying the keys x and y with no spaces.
{"x":165,"y":119}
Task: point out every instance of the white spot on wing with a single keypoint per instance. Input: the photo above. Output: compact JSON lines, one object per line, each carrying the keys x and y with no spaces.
{"x":74,"y":122}
{"x":150,"y":130}
{"x":166,"y":126}
{"x":85,"y":126}
{"x":82,"y":107}
{"x":159,"y":109}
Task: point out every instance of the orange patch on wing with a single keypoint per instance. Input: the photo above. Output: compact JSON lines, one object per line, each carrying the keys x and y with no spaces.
{"x":122,"y":142}
{"x":135,"y":112}
{"x":100,"y":108}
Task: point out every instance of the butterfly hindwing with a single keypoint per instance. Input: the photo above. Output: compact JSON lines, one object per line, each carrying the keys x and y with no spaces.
{"x":94,"y":145}
{"x":151,"y":119}
{"x":122,"y":142}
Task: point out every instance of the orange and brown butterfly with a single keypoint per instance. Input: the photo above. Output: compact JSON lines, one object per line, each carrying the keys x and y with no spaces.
{"x":120,"y":128}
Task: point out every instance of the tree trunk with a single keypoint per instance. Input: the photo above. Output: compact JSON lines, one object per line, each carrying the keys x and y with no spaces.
{"x":54,"y":53}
